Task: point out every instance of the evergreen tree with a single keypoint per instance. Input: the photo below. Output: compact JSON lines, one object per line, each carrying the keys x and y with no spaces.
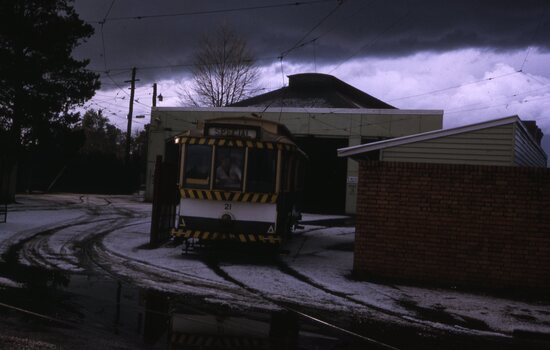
{"x":40,"y":81}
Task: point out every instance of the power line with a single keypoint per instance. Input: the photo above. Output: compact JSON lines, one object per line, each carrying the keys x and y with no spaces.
{"x":499,"y":105}
{"x":535,"y":34}
{"x":299,"y":42}
{"x":455,"y":86}
{"x":498,"y":98}
{"x":315,"y":39}
{"x":103,"y":37}
{"x":210,"y":12}
{"x":373,"y":41}
{"x":168,"y":66}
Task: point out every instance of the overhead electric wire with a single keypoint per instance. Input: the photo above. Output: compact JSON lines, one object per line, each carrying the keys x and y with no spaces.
{"x":210,"y":12}
{"x":535,"y":34}
{"x":102,"y":36}
{"x":372,"y":42}
{"x":454,"y":86}
{"x":168,"y":66}
{"x":500,"y":105}
{"x":497,"y":98}
{"x":299,"y":42}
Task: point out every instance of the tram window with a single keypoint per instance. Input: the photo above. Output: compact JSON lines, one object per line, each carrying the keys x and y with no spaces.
{"x":229,"y":168}
{"x":262,"y":167}
{"x":198,"y":162}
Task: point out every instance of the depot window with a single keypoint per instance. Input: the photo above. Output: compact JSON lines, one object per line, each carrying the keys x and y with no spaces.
{"x":228,"y":170}
{"x":261,"y":172}
{"x":198,"y":162}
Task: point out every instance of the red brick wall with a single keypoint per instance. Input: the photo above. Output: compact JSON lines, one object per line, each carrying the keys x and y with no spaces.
{"x":463,"y":225}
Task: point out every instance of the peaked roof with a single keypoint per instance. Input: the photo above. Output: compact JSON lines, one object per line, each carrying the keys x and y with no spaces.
{"x":430,"y":135}
{"x":315,"y":90}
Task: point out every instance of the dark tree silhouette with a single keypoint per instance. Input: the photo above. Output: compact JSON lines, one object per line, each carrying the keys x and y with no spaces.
{"x":40,"y":81}
{"x":101,"y":136}
{"x":224,"y":71}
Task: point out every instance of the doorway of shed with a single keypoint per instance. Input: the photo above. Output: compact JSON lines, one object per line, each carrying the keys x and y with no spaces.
{"x":325,"y":183}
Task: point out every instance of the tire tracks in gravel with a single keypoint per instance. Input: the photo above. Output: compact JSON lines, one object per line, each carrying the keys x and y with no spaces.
{"x":214,"y":264}
{"x":93,"y":256}
{"x":15,"y":246}
{"x":140,"y":272}
{"x":38,"y":251}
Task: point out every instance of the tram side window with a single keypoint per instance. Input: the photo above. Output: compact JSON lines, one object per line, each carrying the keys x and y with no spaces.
{"x":198,"y":162}
{"x":262,"y":168}
{"x":229,"y":168}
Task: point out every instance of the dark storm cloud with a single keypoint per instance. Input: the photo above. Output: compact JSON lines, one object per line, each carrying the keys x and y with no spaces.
{"x":358,"y":28}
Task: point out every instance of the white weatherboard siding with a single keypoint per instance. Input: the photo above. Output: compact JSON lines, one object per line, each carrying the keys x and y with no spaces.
{"x":526,"y":153}
{"x":491,"y":146}
{"x":241,"y":211}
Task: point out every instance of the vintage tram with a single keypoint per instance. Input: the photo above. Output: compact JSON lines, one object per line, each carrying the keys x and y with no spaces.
{"x":240,"y":179}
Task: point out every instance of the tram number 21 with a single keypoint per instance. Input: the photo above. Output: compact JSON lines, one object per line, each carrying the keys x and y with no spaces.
{"x":227,"y":206}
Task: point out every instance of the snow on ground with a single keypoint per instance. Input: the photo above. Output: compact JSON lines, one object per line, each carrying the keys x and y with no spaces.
{"x":22,"y":224}
{"x":315,"y":272}
{"x":6,"y":282}
{"x":325,"y":256}
{"x":131,"y":242}
{"x":192,"y":275}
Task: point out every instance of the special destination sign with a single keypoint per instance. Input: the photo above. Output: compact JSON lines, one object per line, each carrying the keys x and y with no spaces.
{"x":221,"y":131}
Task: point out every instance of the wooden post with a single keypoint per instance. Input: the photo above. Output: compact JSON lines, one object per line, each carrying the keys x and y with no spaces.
{"x":130,"y":114}
{"x":157,"y":204}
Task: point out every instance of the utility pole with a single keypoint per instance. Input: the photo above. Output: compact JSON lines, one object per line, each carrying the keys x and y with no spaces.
{"x":154,"y":95}
{"x":130,"y":114}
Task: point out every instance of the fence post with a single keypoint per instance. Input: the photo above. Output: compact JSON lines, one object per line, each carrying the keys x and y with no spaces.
{"x":157,"y":205}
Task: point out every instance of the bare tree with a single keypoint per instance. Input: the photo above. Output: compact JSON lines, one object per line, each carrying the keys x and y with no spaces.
{"x":224,"y":71}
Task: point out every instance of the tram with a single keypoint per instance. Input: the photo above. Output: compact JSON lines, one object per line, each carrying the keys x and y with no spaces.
{"x":240,"y":179}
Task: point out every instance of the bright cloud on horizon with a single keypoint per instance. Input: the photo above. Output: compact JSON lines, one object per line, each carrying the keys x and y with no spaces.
{"x":468,"y":94}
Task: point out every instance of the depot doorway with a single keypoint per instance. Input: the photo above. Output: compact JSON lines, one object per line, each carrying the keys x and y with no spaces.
{"x":325,"y":183}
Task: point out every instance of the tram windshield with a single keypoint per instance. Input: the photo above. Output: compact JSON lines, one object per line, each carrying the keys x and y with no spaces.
{"x":229,"y":168}
{"x":198,"y":162}
{"x":261,"y":170}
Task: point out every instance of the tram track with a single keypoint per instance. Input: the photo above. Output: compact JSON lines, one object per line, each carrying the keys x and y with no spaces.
{"x":290,"y":307}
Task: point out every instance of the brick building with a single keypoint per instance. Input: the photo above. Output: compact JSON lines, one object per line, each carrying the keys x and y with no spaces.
{"x":468,"y":206}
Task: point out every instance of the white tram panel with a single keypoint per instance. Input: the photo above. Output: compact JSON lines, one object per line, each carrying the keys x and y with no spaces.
{"x":239,"y":211}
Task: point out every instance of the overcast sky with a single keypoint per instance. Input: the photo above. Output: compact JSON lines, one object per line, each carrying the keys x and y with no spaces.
{"x":476,"y":60}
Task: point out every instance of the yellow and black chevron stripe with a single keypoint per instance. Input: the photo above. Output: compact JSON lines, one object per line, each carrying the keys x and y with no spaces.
{"x":229,"y":196}
{"x":216,"y":341}
{"x":219,"y":236}
{"x":235,"y":143}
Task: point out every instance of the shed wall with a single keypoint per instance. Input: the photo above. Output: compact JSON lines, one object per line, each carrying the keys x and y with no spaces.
{"x":526,"y":152}
{"x":491,"y":146}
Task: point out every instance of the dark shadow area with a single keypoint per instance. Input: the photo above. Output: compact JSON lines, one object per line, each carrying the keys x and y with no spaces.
{"x":325,"y":188}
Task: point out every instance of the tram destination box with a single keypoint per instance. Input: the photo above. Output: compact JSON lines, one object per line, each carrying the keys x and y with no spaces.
{"x":232,"y":131}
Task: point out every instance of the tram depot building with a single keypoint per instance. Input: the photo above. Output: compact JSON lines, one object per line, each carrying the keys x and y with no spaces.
{"x":324,"y":114}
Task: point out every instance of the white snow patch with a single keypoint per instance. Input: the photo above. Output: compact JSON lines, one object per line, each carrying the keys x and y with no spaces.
{"x":6,"y":282}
